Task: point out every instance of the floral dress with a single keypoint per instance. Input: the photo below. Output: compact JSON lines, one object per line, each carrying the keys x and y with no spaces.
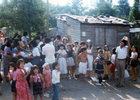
{"x":23,"y":92}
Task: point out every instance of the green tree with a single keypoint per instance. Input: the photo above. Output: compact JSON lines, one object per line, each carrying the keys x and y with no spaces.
{"x":123,"y":8}
{"x":106,"y":8}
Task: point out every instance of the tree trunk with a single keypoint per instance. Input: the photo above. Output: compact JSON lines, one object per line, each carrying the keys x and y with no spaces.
{"x":29,"y":34}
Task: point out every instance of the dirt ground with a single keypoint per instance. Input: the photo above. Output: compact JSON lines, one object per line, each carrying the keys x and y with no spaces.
{"x":75,"y":90}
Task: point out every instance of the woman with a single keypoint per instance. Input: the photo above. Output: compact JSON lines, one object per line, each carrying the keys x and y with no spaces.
{"x":35,"y":53}
{"x":8,"y":54}
{"x":90,"y":52}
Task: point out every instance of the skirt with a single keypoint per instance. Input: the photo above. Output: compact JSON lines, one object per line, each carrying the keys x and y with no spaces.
{"x":13,"y":86}
{"x":63,"y":65}
{"x":99,"y":69}
{"x":134,"y":63}
{"x":70,"y":61}
{"x":37,"y":88}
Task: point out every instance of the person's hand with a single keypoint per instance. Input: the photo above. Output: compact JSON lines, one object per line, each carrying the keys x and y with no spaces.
{"x":11,"y":75}
{"x":128,"y":40}
{"x":138,"y":59}
{"x":39,"y":75}
{"x":28,"y":72}
{"x":87,"y":65}
{"x":59,"y":69}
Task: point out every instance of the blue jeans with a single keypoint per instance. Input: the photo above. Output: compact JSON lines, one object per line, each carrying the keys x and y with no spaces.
{"x":56,"y":91}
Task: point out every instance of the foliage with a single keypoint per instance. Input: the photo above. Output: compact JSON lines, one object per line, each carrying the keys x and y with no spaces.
{"x":123,"y":8}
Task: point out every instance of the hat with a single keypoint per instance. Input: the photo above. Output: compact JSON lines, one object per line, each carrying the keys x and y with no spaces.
{"x":88,"y":40}
{"x":44,"y":66}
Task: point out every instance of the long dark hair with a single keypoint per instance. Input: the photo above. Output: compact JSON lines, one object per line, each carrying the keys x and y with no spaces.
{"x":13,"y":65}
{"x":134,"y":46}
{"x":33,"y":68}
{"x":16,"y":43}
{"x":19,"y":61}
{"x":90,"y":45}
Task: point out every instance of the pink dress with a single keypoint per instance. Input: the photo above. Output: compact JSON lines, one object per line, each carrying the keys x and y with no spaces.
{"x":23,"y":92}
{"x":47,"y":77}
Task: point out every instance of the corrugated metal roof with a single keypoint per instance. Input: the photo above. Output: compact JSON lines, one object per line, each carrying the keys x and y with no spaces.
{"x":95,"y":19}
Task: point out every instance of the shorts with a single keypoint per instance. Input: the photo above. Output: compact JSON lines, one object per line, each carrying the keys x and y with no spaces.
{"x":82,"y":68}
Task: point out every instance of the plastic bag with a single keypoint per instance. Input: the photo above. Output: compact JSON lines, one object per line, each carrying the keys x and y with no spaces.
{"x":126,"y":74}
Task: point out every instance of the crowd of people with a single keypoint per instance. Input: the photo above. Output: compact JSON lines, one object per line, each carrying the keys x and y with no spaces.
{"x":44,"y":61}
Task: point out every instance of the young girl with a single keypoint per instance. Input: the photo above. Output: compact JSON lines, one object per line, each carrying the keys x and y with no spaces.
{"x":99,"y":69}
{"x":36,"y":79}
{"x":62,"y":54}
{"x":70,"y":61}
{"x":55,"y":80}
{"x":113,"y":67}
{"x":134,"y":56}
{"x":106,"y":55}
{"x":23,"y":92}
{"x":12,"y":77}
{"x":65,"y":41}
{"x":90,"y":53}
{"x":35,"y":53}
{"x":47,"y":78}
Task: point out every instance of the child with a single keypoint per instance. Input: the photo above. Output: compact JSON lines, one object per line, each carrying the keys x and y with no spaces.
{"x":106,"y":55}
{"x":113,"y":67}
{"x":55,"y":80}
{"x":47,"y":78}
{"x":27,"y":67}
{"x":12,"y":77}
{"x":17,"y":52}
{"x":23,"y":92}
{"x":62,"y":54}
{"x":99,"y":69}
{"x":134,"y":56}
{"x":70,"y":61}
{"x":83,"y":65}
{"x":36,"y":79}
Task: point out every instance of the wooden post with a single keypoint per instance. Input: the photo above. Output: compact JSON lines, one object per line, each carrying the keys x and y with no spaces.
{"x":47,"y":18}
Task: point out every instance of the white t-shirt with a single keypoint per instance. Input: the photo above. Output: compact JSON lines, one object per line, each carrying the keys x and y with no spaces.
{"x":49,"y":51}
{"x":52,"y":42}
{"x":113,"y":58}
{"x":133,"y":55}
{"x":122,"y":52}
{"x":35,"y":52}
{"x":63,"y":52}
{"x":39,"y":44}
{"x":55,"y":76}
{"x":24,"y":39}
{"x":28,"y":66}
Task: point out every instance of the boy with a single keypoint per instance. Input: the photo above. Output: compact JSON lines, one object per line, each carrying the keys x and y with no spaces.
{"x":52,"y":41}
{"x":83,"y":65}
{"x":55,"y":80}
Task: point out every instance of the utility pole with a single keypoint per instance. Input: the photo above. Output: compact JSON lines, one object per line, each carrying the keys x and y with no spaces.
{"x":47,"y":18}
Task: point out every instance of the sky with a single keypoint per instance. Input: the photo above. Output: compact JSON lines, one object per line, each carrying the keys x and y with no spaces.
{"x":85,"y":2}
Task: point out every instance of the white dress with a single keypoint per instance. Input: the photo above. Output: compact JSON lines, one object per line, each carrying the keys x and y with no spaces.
{"x":62,"y":62}
{"x":90,"y":59}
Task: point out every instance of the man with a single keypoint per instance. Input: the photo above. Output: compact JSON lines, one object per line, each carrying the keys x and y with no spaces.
{"x":39,"y":43}
{"x":24,"y":38}
{"x":120,"y":60}
{"x":49,"y":51}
